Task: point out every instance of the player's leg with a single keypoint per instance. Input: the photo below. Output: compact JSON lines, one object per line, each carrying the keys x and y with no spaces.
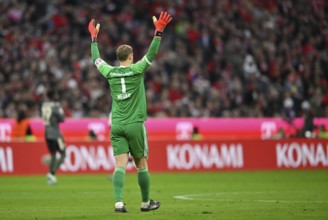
{"x":121,"y":149}
{"x":52,"y":165}
{"x":143,"y":178}
{"x":61,"y":149}
{"x":130,"y":160}
{"x":119,"y":180}
{"x":51,"y":178}
{"x":139,"y":150}
{"x":144,"y":183}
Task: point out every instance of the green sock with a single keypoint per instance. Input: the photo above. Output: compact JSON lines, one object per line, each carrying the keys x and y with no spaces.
{"x":118,"y":181}
{"x":144,"y":183}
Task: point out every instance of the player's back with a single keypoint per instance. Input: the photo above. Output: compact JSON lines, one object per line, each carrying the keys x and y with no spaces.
{"x":52,"y":114}
{"x":126,"y":84}
{"x":128,"y":95}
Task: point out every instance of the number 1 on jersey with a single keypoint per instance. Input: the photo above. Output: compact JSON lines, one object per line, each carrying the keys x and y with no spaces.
{"x":123,"y":85}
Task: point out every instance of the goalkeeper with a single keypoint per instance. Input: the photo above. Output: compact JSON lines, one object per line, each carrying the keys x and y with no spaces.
{"x":128,"y":132}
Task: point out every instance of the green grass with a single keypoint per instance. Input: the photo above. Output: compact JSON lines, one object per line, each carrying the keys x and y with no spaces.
{"x":216,"y":195}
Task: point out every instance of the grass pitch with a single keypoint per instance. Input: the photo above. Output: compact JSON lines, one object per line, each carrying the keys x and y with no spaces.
{"x":215,"y":195}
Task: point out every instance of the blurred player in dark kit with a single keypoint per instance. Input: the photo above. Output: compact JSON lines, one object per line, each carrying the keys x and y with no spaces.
{"x":53,"y":115}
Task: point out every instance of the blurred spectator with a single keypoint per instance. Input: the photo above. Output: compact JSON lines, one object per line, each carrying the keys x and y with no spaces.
{"x":308,"y":125}
{"x":92,"y":136}
{"x":221,"y":59}
{"x":22,"y":130}
{"x":288,"y":110}
{"x":322,"y":133}
{"x":196,"y":136}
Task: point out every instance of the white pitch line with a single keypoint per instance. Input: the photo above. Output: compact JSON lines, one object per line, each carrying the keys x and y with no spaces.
{"x":192,"y":197}
{"x":189,"y":197}
{"x":287,"y":201}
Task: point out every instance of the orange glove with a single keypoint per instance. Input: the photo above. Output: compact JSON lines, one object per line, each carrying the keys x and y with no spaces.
{"x":94,"y":30}
{"x":160,"y":24}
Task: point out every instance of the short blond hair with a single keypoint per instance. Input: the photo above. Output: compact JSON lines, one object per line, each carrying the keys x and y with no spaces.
{"x":123,"y":52}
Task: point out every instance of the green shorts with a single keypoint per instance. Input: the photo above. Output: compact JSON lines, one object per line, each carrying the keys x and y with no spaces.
{"x":130,"y":138}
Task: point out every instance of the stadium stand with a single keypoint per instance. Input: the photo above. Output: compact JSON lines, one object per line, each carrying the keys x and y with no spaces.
{"x":218,"y":59}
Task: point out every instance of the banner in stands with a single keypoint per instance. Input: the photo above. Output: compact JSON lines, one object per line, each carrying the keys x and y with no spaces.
{"x":18,"y":158}
{"x":172,"y":129}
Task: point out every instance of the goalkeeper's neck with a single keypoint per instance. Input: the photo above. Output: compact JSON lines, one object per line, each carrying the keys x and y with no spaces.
{"x":128,"y":61}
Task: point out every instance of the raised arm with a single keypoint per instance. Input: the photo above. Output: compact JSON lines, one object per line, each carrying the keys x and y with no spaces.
{"x":160,"y":24}
{"x":94,"y":30}
{"x":102,"y":66}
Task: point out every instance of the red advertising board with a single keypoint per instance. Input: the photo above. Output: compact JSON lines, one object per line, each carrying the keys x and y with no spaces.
{"x":18,"y":158}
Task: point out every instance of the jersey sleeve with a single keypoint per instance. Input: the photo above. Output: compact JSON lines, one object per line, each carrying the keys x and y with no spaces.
{"x":146,"y":61}
{"x":103,"y":67}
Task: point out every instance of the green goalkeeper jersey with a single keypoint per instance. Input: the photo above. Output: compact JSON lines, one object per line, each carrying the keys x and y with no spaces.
{"x":127,"y":85}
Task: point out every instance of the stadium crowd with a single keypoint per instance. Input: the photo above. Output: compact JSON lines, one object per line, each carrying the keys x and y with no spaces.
{"x":227,"y":58}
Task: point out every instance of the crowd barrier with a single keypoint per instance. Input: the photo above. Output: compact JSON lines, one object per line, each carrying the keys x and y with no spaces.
{"x":170,"y":129}
{"x":26,"y":158}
